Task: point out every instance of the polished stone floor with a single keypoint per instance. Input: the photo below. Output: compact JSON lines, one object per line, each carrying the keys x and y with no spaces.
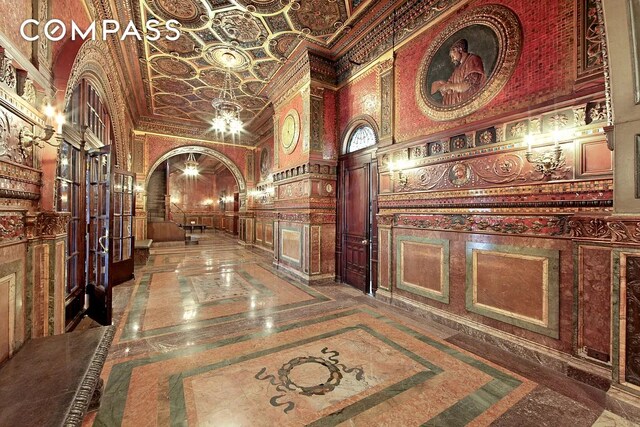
{"x":213,"y":335}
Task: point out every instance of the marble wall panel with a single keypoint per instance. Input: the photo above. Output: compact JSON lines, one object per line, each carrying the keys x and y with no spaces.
{"x":40,"y":280}
{"x":562,"y":337}
{"x":630,"y":318}
{"x":384,"y":260}
{"x":7,"y":314}
{"x":594,"y":302}
{"x":259,"y":231}
{"x":12,"y":298}
{"x":516,"y":285}
{"x":291,"y":245}
{"x":423,"y":267}
{"x":57,"y":322}
{"x":268,"y":234}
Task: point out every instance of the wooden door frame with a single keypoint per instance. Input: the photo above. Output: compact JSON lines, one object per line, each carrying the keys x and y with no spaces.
{"x":78,"y":143}
{"x":372,"y":268}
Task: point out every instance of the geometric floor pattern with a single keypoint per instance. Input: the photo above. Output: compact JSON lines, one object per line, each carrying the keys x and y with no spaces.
{"x":213,"y":335}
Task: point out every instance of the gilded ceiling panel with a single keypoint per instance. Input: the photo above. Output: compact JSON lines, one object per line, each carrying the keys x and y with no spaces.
{"x":252,"y":39}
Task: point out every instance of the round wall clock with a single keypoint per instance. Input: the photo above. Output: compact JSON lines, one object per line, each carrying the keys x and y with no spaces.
{"x":290,"y":132}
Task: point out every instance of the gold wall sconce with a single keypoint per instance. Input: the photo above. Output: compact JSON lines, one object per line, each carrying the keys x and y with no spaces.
{"x":548,"y":161}
{"x":397,"y":171}
{"x":27,"y":138}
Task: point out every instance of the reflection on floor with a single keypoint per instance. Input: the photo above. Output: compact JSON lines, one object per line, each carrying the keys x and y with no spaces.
{"x":213,"y":335}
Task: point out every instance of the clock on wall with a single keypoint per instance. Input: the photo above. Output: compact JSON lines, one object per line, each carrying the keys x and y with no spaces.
{"x":290,"y":132}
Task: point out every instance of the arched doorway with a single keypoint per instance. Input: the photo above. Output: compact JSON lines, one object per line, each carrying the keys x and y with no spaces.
{"x":179,"y":198}
{"x":357,"y":198}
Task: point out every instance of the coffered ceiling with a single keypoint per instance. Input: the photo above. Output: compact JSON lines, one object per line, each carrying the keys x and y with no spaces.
{"x":182,"y":77}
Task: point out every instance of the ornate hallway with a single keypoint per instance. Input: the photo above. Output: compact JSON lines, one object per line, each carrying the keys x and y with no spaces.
{"x":213,"y":335}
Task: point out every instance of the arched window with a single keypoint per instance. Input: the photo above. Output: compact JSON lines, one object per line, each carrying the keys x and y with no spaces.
{"x":362,"y":137}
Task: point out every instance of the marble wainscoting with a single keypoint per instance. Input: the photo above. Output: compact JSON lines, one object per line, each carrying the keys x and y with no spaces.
{"x":216,"y":335}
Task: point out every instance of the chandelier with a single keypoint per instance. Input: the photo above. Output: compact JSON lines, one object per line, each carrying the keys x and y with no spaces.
{"x":191,"y":165}
{"x":227,"y":108}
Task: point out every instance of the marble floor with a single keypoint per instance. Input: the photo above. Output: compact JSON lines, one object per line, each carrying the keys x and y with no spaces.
{"x":213,"y":335}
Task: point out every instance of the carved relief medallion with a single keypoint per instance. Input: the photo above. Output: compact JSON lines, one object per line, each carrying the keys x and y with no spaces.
{"x":459,"y":174}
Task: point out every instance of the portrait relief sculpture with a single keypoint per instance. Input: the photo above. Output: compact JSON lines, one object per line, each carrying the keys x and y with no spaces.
{"x":467,"y":78}
{"x":469,"y":62}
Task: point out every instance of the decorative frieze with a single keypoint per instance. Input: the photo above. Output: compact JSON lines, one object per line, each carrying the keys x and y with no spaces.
{"x":569,"y":226}
{"x":308,"y":217}
{"x":46,"y":224}
{"x":305,"y":169}
{"x":521,"y":225}
{"x":581,"y":120}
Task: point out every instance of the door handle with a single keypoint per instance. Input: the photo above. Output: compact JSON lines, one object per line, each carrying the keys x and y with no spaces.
{"x":364,"y":242}
{"x":104,"y":248}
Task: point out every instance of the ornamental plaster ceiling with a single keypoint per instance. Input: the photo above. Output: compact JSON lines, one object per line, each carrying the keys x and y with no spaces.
{"x":182,"y":77}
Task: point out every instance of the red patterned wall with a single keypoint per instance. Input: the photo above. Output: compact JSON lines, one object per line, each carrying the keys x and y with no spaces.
{"x":10,"y":20}
{"x":331,"y":142}
{"x":353,"y":97}
{"x":297,"y":156}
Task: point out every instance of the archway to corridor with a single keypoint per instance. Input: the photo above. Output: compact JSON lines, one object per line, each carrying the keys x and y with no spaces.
{"x":181,"y":200}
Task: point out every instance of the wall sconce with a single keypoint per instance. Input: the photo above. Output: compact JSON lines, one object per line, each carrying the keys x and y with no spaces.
{"x":399,"y":167}
{"x":27,"y":138}
{"x":207,"y":202}
{"x":139,"y":188}
{"x":548,"y":161}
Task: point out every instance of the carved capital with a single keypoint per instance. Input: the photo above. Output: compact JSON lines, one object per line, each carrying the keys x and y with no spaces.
{"x":46,"y":224}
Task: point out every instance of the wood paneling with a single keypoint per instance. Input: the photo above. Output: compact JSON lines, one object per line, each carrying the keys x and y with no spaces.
{"x":597,"y":159}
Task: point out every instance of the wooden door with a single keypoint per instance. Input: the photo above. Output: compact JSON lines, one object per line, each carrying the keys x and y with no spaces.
{"x":98,"y":233}
{"x":356,"y":220}
{"x":122,"y":239}
{"x":70,"y":198}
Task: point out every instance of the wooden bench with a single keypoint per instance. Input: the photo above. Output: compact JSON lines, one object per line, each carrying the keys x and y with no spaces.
{"x":141,"y":251}
{"x":52,"y":381}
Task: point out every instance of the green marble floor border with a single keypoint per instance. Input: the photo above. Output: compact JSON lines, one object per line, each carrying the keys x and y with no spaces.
{"x":460,"y":413}
{"x":176,"y":382}
{"x":132,"y":330}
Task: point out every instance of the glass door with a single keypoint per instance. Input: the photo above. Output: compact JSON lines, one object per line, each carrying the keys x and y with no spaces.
{"x":123,"y":204}
{"x":98,"y":241}
{"x":70,"y":198}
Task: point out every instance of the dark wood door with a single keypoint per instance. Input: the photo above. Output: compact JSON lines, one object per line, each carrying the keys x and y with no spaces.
{"x":99,"y":216}
{"x":122,"y":239}
{"x":356,"y":220}
{"x":71,"y":198}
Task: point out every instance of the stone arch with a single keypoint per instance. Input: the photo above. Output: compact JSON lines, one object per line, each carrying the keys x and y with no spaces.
{"x":93,"y":63}
{"x":354,"y":124}
{"x":198,"y":149}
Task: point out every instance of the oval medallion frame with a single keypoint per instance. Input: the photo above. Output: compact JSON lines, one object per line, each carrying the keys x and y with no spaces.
{"x":505,"y":25}
{"x":295,"y":116}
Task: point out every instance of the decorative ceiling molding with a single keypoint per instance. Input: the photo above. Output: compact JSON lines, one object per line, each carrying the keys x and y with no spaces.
{"x":261,"y":36}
